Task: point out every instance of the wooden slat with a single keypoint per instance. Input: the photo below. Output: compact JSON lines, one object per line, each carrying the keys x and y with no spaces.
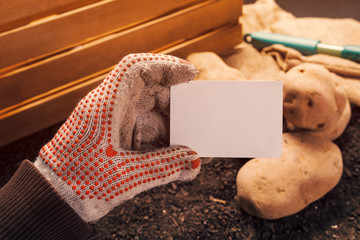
{"x":55,"y":34}
{"x":14,"y":13}
{"x":100,"y":54}
{"x":57,"y":106}
{"x":217,"y":41}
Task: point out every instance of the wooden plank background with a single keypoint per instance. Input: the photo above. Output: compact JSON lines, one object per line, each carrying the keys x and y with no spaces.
{"x":104,"y":52}
{"x":15,"y":13}
{"x":60,"y":73}
{"x":37,"y":40}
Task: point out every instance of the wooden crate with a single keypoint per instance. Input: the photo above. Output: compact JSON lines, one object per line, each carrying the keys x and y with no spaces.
{"x":53,"y":52}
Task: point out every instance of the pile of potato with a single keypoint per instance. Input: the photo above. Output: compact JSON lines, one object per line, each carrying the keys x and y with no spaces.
{"x":316,"y":111}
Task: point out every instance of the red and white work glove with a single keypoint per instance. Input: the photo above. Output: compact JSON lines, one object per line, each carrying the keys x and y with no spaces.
{"x":90,"y":162}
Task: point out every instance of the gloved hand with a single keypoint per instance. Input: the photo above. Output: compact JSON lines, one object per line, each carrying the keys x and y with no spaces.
{"x":89,"y":160}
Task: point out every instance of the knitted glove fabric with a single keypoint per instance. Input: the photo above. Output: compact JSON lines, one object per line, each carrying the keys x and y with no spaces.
{"x":87,"y":161}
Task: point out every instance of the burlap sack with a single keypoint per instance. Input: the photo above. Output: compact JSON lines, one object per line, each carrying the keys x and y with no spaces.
{"x":267,"y":16}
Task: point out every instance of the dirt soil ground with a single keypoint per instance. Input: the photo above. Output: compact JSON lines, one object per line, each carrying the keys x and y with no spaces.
{"x":206,"y":208}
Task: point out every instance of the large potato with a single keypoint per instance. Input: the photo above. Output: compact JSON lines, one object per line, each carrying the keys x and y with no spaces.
{"x":272,"y":188}
{"x":338,"y":128}
{"x":313,"y":98}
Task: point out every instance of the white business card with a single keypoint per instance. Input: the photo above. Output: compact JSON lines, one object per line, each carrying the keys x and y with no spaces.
{"x":240,"y":119}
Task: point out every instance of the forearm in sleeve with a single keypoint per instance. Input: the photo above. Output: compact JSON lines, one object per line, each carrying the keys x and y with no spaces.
{"x":30,"y":208}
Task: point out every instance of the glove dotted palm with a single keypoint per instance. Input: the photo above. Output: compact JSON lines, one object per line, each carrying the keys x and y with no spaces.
{"x":87,"y":161}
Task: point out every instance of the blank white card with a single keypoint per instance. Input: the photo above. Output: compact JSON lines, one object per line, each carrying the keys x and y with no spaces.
{"x":241,"y":119}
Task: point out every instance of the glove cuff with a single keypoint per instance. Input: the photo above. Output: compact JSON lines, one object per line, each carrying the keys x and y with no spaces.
{"x":33,"y":209}
{"x":88,"y":210}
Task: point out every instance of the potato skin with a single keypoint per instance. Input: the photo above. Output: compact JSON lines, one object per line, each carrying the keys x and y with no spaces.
{"x":313,"y":98}
{"x":339,"y":127}
{"x":271,"y":188}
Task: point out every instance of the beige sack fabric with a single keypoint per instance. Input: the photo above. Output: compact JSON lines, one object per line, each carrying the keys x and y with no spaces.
{"x":267,"y":16}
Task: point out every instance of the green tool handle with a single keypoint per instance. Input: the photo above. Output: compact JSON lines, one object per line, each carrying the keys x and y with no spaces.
{"x":351,"y":52}
{"x":304,"y":45}
{"x":261,"y":40}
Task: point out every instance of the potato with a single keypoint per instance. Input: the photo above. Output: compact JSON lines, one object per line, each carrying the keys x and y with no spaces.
{"x":339,"y":127}
{"x":313,"y":98}
{"x":212,"y":67}
{"x":271,"y":188}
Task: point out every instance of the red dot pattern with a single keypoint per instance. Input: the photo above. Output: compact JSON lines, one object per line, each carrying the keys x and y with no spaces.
{"x":82,"y":153}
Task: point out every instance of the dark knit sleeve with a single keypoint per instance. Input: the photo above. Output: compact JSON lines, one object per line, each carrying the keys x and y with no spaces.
{"x":30,"y":208}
